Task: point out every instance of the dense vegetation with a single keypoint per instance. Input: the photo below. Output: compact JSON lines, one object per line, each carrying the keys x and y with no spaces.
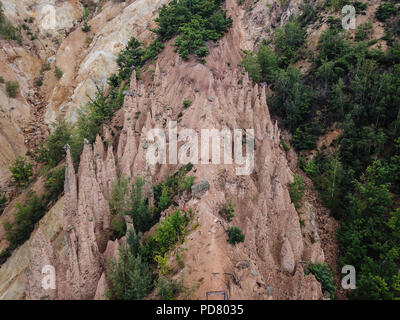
{"x":133,"y":276}
{"x":358,"y":88}
{"x":193,"y":22}
{"x":133,"y":201}
{"x":55,"y":183}
{"x":21,"y":171}
{"x":296,"y":191}
{"x":32,"y":210}
{"x":235,"y":235}
{"x":3,"y":203}
{"x":323,"y":273}
{"x":227,"y":210}
{"x":26,"y":217}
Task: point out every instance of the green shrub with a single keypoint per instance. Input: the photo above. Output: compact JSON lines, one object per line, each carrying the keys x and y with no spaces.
{"x":296,"y":190}
{"x":332,"y":45}
{"x":194,"y":23}
{"x":187,"y":103}
{"x":171,"y":231}
{"x":58,"y":72}
{"x":12,"y":88}
{"x":285,"y":146}
{"x":308,"y":14}
{"x":119,"y":199}
{"x":90,"y":117}
{"x":118,"y":226}
{"x":3,"y":203}
{"x":162,"y":263}
{"x":330,"y":182}
{"x":1,"y":79}
{"x":4,"y":255}
{"x":235,"y":235}
{"x":39,"y":82}
{"x":165,"y":199}
{"x":360,"y":6}
{"x":364,"y":31}
{"x":46,"y":67}
{"x":385,"y":11}
{"x":86,"y":27}
{"x":168,"y":289}
{"x":119,"y":204}
{"x":336,"y":4}
{"x":130,"y":57}
{"x":51,"y":151}
{"x":152,"y":251}
{"x":24,"y":222}
{"x":268,"y":62}
{"x":293,"y":98}
{"x":323,"y":273}
{"x":263,"y":66}
{"x":227,"y":210}
{"x":186,"y":183}
{"x":152,"y":51}
{"x":55,"y":183}
{"x":288,"y":39}
{"x":21,"y":171}
{"x":250,"y":63}
{"x":311,"y":168}
{"x":7,"y":30}
{"x":174,"y":185}
{"x":142,"y":215}
{"x":130,"y":277}
{"x":85,"y":13}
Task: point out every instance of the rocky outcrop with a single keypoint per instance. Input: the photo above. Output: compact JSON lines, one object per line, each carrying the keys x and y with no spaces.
{"x":49,"y":22}
{"x":287,"y":257}
{"x":269,"y":264}
{"x":18,"y":65}
{"x":21,"y":276}
{"x":112,"y":28}
{"x":85,"y":224}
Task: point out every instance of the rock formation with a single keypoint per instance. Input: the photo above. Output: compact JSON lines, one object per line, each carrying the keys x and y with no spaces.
{"x":222,"y":98}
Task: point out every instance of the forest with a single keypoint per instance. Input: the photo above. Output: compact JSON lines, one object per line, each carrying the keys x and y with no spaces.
{"x":356,"y":86}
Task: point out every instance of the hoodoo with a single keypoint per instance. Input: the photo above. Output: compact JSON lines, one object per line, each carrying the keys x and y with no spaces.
{"x":237,"y":150}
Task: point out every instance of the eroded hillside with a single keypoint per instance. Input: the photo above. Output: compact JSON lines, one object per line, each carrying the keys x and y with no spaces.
{"x":75,"y":235}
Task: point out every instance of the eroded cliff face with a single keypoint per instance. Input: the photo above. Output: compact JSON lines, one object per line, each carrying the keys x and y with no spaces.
{"x":86,"y":60}
{"x":20,"y":127}
{"x":268,"y":265}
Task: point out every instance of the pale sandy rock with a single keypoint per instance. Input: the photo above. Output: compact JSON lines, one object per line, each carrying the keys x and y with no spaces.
{"x":20,"y":65}
{"x":50,"y":16}
{"x":100,"y":60}
{"x":287,"y":257}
